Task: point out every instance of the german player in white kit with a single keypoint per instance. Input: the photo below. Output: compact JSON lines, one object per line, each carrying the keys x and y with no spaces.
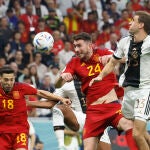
{"x":136,"y":76}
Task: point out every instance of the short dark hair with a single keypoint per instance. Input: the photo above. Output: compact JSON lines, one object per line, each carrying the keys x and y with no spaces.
{"x":82,"y":36}
{"x":144,"y":17}
{"x":6,"y":69}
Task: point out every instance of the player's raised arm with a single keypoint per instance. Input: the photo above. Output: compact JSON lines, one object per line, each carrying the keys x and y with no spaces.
{"x":109,"y":67}
{"x":50,"y":96}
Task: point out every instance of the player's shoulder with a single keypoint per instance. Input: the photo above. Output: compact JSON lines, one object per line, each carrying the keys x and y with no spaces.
{"x":20,"y":85}
{"x":126,"y":38}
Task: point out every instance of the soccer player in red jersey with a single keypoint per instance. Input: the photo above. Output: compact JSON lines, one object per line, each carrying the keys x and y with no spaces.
{"x":14,"y":127}
{"x":103,"y":109}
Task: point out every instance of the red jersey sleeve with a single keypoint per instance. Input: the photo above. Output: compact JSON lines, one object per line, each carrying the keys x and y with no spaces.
{"x":28,"y":89}
{"x":70,"y":67}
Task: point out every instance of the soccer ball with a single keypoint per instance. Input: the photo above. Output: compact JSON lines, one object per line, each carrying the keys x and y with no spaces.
{"x":43,"y":42}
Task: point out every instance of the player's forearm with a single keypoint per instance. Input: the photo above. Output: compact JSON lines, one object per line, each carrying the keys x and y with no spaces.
{"x":59,"y":82}
{"x":49,"y":96}
{"x":109,"y":67}
{"x":41,"y":104}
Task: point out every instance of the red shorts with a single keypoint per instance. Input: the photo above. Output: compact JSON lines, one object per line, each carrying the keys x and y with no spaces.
{"x":12,"y":141}
{"x":100,"y":116}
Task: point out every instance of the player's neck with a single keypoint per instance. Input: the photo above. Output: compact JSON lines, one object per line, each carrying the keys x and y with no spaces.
{"x":88,"y":56}
{"x":139,"y":37}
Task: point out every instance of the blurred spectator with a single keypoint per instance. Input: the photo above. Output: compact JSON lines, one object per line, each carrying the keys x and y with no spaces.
{"x":39,"y":9}
{"x":72,"y":21}
{"x":41,"y":68}
{"x":5,"y":31}
{"x":33,"y":75}
{"x":80,"y":8}
{"x":54,"y":73}
{"x":112,"y":43}
{"x":14,"y":66}
{"x":24,"y":74}
{"x":28,"y":54}
{"x":48,"y":58}
{"x":24,"y":33}
{"x":3,"y":9}
{"x":63,"y":31}
{"x":136,"y":5}
{"x":90,"y":25}
{"x":42,"y":26}
{"x":18,"y":59}
{"x":123,"y":23}
{"x":104,"y":20}
{"x":63,"y":5}
{"x":130,"y":9}
{"x":52,"y":19}
{"x":121,"y":4}
{"x":46,"y":84}
{"x":58,"y":43}
{"x":104,"y":36}
{"x":51,"y":4}
{"x":17,"y":8}
{"x":147,"y":6}
{"x":13,"y":20}
{"x":65,"y":55}
{"x":6,"y":53}
{"x":2,"y":61}
{"x":94,"y":5}
{"x":30,"y":20}
{"x":16,"y":43}
{"x":112,"y":11}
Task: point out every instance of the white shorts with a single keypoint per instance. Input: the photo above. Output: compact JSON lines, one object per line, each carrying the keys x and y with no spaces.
{"x":81,"y":120}
{"x":136,"y":103}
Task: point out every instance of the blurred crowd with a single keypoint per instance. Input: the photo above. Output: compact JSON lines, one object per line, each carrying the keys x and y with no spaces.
{"x":106,"y":20}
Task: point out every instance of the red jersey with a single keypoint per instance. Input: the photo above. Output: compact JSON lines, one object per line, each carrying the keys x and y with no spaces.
{"x":87,"y":70}
{"x":13,"y":110}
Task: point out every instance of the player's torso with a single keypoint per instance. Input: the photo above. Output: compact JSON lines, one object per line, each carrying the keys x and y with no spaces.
{"x":12,"y":103}
{"x":138,"y":55}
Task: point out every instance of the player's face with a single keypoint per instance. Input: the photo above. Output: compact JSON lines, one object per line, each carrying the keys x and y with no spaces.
{"x":7,"y":81}
{"x":135,"y":25}
{"x":82,"y":49}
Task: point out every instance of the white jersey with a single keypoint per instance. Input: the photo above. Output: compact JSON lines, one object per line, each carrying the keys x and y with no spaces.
{"x":69,"y":90}
{"x":136,"y":73}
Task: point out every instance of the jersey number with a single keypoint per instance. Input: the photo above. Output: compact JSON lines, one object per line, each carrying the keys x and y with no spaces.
{"x":93,"y":70}
{"x":8,"y":104}
{"x":22,"y":138}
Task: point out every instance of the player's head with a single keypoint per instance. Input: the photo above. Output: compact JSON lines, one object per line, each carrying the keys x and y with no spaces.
{"x":7,"y":78}
{"x":82,"y":45}
{"x":140,"y":21}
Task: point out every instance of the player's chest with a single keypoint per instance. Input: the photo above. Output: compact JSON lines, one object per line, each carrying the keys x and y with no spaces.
{"x":88,"y":69}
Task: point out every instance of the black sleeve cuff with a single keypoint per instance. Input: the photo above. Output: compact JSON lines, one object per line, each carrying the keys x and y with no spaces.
{"x":116,"y":57}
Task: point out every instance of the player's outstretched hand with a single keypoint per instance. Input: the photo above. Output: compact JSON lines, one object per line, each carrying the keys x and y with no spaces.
{"x":67,"y":77}
{"x":66,"y":101}
{"x":98,"y":78}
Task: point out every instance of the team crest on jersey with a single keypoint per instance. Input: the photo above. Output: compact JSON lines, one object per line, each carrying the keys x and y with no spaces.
{"x":96,"y":58}
{"x":83,"y":64}
{"x":0,"y":94}
{"x":16,"y":94}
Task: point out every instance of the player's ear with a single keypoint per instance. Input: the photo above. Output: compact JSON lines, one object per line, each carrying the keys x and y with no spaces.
{"x":90,"y":45}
